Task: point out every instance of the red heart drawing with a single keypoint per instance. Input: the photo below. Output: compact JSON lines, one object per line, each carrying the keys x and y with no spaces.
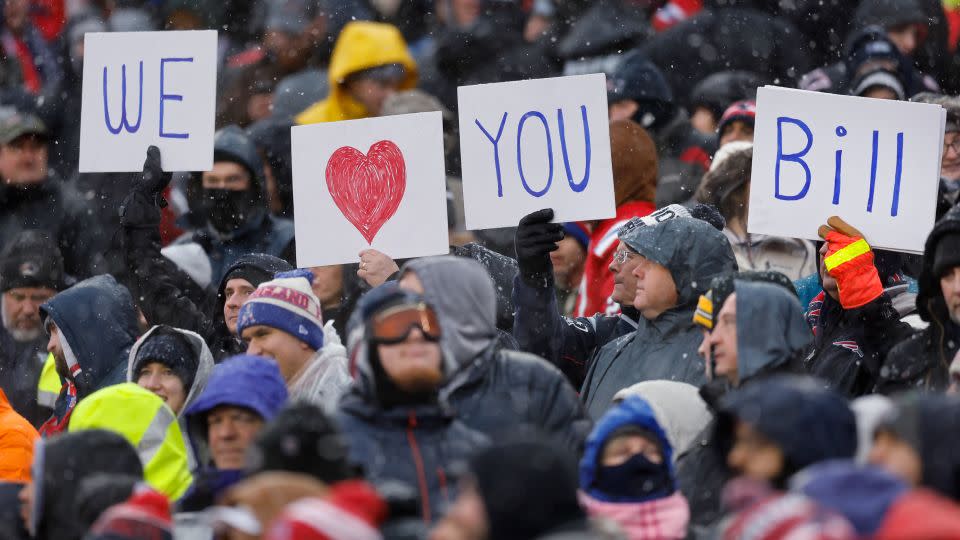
{"x":367,"y":188}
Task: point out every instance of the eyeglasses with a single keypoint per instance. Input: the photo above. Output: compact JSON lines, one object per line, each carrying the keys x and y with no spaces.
{"x":622,"y":255}
{"x":395,"y":324}
{"x":955,"y":145}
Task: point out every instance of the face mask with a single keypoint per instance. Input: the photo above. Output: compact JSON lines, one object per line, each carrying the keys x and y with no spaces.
{"x":227,"y":209}
{"x":635,"y":480}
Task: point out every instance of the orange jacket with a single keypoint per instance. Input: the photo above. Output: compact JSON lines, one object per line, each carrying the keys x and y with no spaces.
{"x":16,"y":443}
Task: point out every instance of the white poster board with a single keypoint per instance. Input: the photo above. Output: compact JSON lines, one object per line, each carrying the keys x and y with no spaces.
{"x":375,"y":183}
{"x":873,"y":162}
{"x":542,"y":143}
{"x":148,"y":88}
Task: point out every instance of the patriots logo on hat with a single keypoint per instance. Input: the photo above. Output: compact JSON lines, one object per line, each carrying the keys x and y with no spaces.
{"x":29,"y":269}
{"x":851,"y":346}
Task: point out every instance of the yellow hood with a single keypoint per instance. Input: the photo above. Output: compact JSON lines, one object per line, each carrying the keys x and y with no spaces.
{"x":150,"y":427}
{"x":361,"y":45}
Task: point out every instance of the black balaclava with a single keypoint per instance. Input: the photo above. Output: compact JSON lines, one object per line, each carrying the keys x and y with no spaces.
{"x":227,"y":210}
{"x":638,"y":478}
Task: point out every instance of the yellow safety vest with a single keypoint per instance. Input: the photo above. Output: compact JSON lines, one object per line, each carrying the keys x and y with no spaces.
{"x":150,"y":426}
{"x":48,"y":388}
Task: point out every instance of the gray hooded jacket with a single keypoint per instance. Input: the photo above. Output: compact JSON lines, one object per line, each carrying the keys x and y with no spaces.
{"x":204,"y":367}
{"x":772,"y":337}
{"x":493,"y":390}
{"x":771,"y":330}
{"x":665,"y":348}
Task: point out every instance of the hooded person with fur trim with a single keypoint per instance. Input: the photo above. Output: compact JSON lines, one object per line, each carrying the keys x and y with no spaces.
{"x":395,"y":407}
{"x":627,"y":474}
{"x":727,"y":186}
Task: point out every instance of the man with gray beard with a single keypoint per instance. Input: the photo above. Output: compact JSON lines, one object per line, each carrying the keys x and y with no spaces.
{"x":31,"y":272}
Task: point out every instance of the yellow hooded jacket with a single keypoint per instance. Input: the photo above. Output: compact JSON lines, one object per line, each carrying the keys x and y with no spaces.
{"x":142,"y":418}
{"x":361,"y":45}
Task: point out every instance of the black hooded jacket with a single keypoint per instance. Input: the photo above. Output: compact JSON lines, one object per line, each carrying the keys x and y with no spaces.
{"x":923,"y":359}
{"x":98,"y":321}
{"x":66,"y":461}
{"x":259,"y":233}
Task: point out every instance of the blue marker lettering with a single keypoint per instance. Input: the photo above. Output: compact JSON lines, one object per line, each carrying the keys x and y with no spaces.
{"x":795,"y":158}
{"x":546,"y":129}
{"x":895,"y":207}
{"x":576,"y":187}
{"x":496,"y":149}
{"x":841,"y":132}
{"x":169,"y":97}
{"x":123,"y":101}
{"x":873,"y":169}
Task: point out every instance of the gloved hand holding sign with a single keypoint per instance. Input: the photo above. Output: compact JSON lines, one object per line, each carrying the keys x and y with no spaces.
{"x":849,"y":260}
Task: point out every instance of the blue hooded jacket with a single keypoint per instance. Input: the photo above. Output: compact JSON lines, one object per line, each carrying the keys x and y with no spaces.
{"x":863,"y":495}
{"x":633,"y":411}
{"x":247,"y":381}
{"x":98,"y":322}
{"x":808,"y":422}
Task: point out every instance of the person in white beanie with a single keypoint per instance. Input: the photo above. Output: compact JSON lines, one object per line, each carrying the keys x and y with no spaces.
{"x":281,"y":320}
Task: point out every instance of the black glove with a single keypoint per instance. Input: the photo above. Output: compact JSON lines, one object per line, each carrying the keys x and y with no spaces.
{"x":536,"y":238}
{"x":141,"y":207}
{"x":153,"y":180}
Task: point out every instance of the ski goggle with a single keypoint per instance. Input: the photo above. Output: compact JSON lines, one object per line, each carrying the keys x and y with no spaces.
{"x":395,"y":324}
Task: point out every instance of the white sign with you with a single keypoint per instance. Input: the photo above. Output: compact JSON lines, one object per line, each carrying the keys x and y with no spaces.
{"x":541,"y":143}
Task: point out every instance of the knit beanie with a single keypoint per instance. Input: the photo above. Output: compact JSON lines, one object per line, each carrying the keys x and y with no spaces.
{"x":947,"y":254}
{"x":286,"y":303}
{"x":146,"y":514}
{"x":578,"y":232}
{"x":744,"y":111}
{"x":170,"y":348}
{"x":31,"y":259}
{"x":352,"y":511}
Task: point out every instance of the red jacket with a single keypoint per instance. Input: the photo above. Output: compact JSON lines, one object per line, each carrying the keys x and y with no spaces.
{"x":921,"y":514}
{"x":597,"y":284}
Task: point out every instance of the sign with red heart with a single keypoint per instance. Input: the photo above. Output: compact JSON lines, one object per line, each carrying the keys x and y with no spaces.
{"x":367,"y":188}
{"x":375,"y":183}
